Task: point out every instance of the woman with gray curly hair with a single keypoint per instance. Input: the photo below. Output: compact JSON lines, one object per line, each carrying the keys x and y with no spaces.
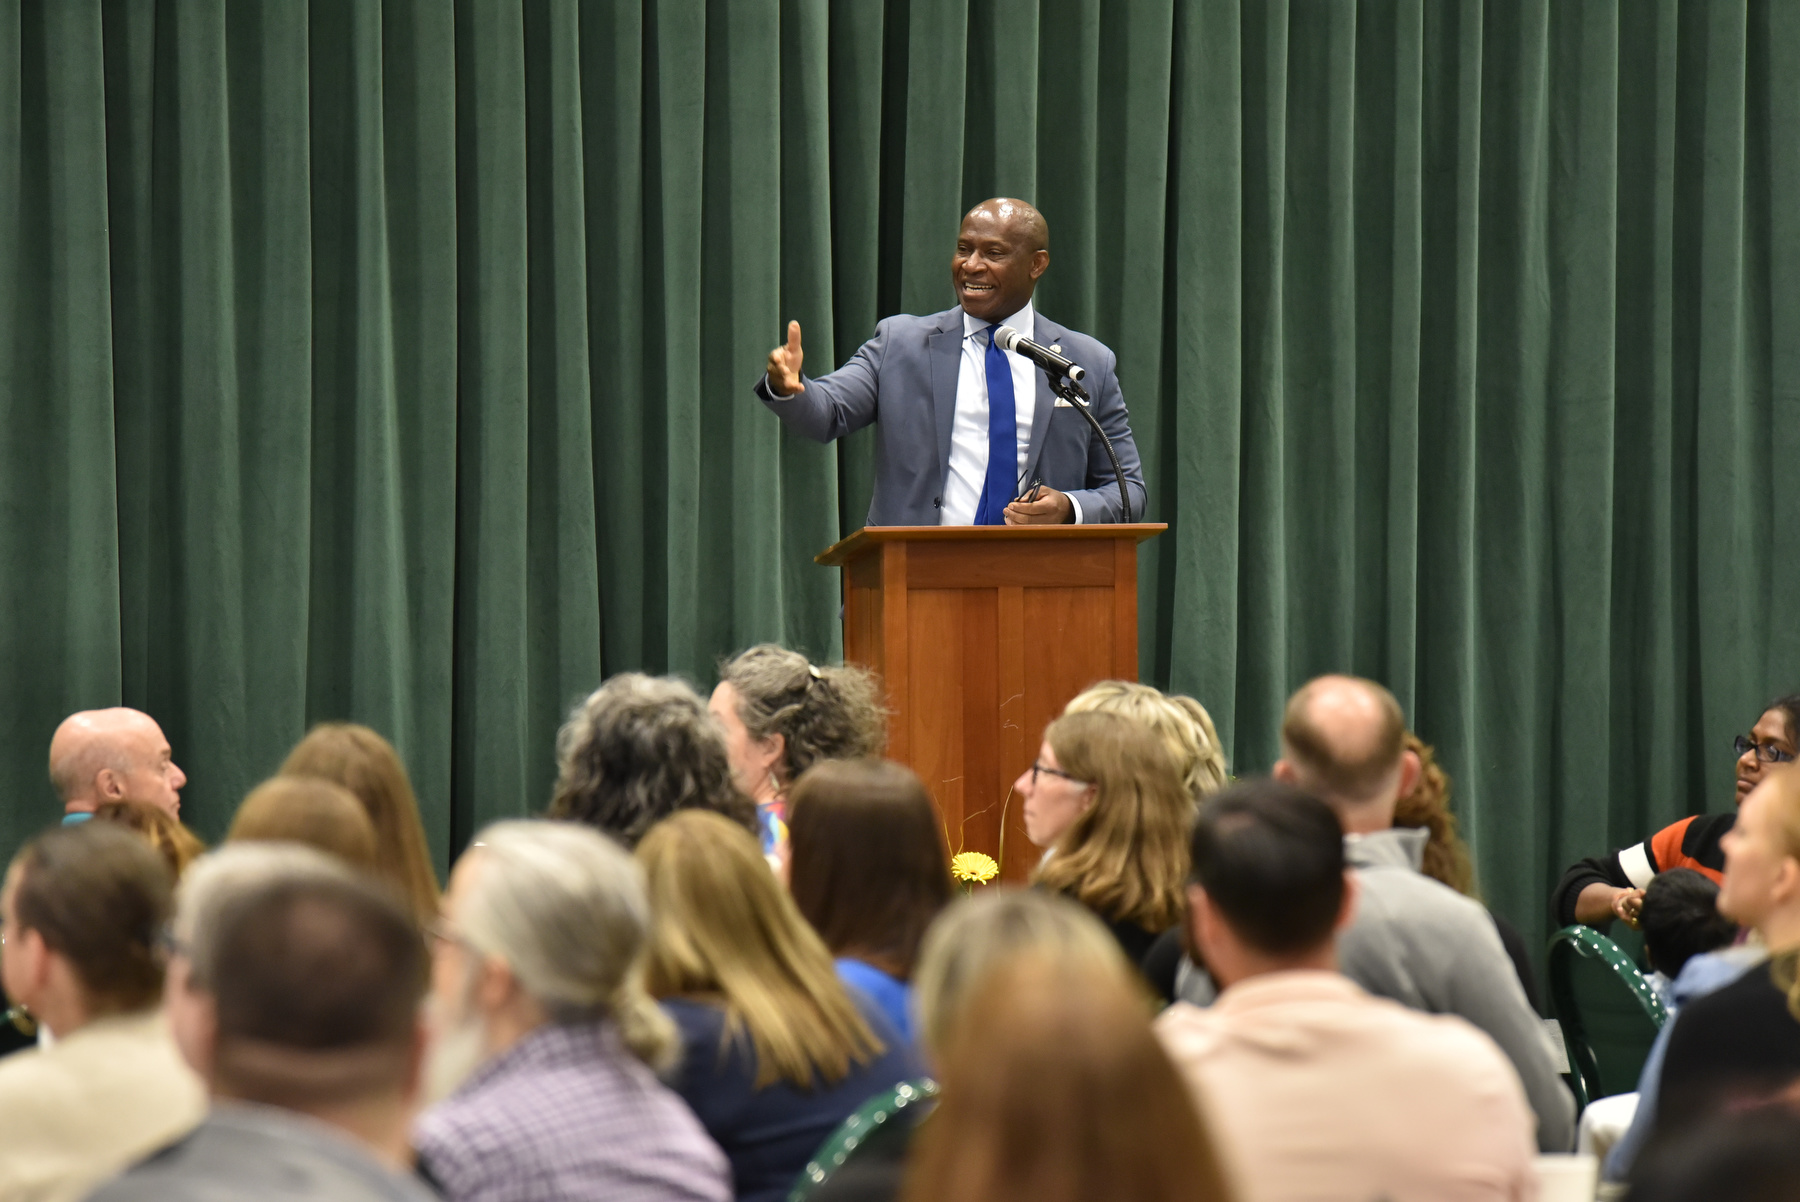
{"x":639,"y":749}
{"x":782,"y":714}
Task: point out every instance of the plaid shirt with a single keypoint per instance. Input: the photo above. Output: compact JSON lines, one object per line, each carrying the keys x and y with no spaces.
{"x":569,"y":1113}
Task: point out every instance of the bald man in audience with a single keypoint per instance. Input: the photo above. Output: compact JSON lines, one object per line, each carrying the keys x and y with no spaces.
{"x":117,"y":754}
{"x":1414,"y":940}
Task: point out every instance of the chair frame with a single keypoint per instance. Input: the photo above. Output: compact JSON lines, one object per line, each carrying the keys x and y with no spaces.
{"x":1589,"y":944}
{"x":856,"y":1130}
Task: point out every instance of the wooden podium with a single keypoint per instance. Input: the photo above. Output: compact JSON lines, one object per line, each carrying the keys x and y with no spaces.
{"x":980,"y":635}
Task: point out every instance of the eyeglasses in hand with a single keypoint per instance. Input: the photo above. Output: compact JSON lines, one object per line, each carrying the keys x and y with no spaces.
{"x":1768,"y":753}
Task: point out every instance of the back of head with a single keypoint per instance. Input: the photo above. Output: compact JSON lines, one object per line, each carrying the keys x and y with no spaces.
{"x":1427,"y":805}
{"x":1271,"y":860}
{"x":1680,"y":919}
{"x":868,"y":867}
{"x":1746,"y":1157}
{"x":1344,"y":737}
{"x":1124,"y":857}
{"x":99,"y":897}
{"x":309,"y":810}
{"x":724,"y":929}
{"x":639,"y":749}
{"x":366,"y":764}
{"x":1054,"y":1089}
{"x":565,"y":908}
{"x":316,"y":982}
{"x":1182,"y":723}
{"x":972,"y":936}
{"x":821,"y":713}
{"x":175,"y":843}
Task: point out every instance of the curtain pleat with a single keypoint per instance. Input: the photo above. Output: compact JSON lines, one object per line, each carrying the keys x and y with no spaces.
{"x":391,"y":362}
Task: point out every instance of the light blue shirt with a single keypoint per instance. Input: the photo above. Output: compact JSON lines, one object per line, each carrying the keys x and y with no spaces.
{"x":892,"y":996}
{"x":77,"y":817}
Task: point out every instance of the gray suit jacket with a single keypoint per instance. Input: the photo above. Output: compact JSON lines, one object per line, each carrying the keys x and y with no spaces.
{"x":904,"y":380}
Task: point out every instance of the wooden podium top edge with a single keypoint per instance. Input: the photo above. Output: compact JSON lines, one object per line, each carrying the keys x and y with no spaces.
{"x":840,"y":552}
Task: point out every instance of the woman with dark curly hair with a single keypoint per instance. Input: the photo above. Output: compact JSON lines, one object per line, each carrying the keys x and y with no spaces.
{"x":639,"y":749}
{"x":782,"y":714}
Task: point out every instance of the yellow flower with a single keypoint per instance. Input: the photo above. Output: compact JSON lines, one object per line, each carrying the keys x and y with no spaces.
{"x":973,"y":866}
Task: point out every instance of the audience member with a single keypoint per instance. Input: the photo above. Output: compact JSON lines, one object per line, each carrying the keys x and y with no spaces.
{"x":782,"y":714}
{"x":974,"y":935}
{"x":82,"y":909}
{"x":1601,"y":888}
{"x":309,"y":810}
{"x":1427,"y":805}
{"x":1752,"y":1157}
{"x":639,"y":749}
{"x":116,"y":754}
{"x":869,"y":872}
{"x":545,"y":1042}
{"x":1446,"y":857}
{"x":175,"y":843}
{"x":1741,"y":1043}
{"x":1680,"y":920}
{"x":1688,"y":943}
{"x":295,"y":995}
{"x":1314,"y":1088}
{"x":776,"y":1051}
{"x":361,"y":761}
{"x":969,"y":939}
{"x":1414,"y":940}
{"x":1105,"y":802}
{"x":1182,"y":723}
{"x":1056,"y":1090}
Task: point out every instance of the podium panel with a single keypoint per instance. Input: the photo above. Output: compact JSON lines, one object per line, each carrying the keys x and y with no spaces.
{"x":980,"y":635}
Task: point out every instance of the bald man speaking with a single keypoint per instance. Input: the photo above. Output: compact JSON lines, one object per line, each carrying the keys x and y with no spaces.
{"x":968,"y":433}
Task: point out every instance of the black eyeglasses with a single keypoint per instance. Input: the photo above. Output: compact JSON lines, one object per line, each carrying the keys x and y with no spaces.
{"x":1037,"y":768}
{"x":1768,"y":753}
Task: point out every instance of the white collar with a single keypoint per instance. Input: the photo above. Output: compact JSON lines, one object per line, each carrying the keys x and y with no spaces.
{"x":1024,"y":321}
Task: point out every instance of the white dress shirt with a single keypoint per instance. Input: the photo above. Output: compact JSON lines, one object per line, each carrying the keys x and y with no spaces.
{"x":969,"y":432}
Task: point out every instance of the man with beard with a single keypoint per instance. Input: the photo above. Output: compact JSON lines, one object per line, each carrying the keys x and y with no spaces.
{"x":544,"y":1039}
{"x":295,"y":994}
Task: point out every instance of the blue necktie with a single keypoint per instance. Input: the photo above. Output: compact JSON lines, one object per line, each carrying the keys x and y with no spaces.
{"x":1003,"y":439}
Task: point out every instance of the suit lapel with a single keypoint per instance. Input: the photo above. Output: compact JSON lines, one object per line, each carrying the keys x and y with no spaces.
{"x":1047,"y":334}
{"x":943,"y":350}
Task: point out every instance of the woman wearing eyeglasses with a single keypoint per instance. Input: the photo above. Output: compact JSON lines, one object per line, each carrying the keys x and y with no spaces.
{"x":1106,"y":803}
{"x":1601,"y":888}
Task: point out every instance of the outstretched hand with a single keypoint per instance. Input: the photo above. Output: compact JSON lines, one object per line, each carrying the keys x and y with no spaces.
{"x":784,"y":364}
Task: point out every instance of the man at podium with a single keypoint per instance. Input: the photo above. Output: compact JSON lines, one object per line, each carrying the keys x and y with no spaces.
{"x":968,"y":432}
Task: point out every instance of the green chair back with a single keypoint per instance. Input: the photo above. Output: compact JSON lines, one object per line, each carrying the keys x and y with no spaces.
{"x":1608,"y":1012}
{"x":881,"y":1121}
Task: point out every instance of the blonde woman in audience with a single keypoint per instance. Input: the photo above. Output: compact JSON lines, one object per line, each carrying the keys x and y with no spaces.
{"x":175,"y":843}
{"x":308,"y":810}
{"x":366,"y":764}
{"x":1106,"y":803}
{"x":1055,"y":1090}
{"x":782,"y":714}
{"x":776,"y":1050}
{"x":1182,"y":723}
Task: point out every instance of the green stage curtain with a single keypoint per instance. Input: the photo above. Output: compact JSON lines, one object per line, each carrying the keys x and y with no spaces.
{"x":391,"y":361}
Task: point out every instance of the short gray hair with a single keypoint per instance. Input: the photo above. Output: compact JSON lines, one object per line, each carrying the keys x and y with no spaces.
{"x":638,"y":749}
{"x":820,"y":713}
{"x":565,"y":908}
{"x":219,"y":880}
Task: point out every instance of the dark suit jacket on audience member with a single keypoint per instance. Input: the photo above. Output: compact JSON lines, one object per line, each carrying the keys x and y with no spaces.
{"x":770,"y":1134}
{"x":1739,"y":1044}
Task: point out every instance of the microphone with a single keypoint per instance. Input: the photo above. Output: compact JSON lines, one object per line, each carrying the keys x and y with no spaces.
{"x":1011,"y":340}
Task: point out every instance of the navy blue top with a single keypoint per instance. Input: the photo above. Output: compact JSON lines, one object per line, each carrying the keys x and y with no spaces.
{"x":770,"y":1134}
{"x":893,"y":995}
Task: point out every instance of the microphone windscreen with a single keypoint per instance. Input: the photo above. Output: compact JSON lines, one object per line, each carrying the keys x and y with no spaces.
{"x":1007,"y":337}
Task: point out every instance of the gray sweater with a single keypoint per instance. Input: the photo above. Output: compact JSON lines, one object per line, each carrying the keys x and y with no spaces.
{"x":1427,"y":946}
